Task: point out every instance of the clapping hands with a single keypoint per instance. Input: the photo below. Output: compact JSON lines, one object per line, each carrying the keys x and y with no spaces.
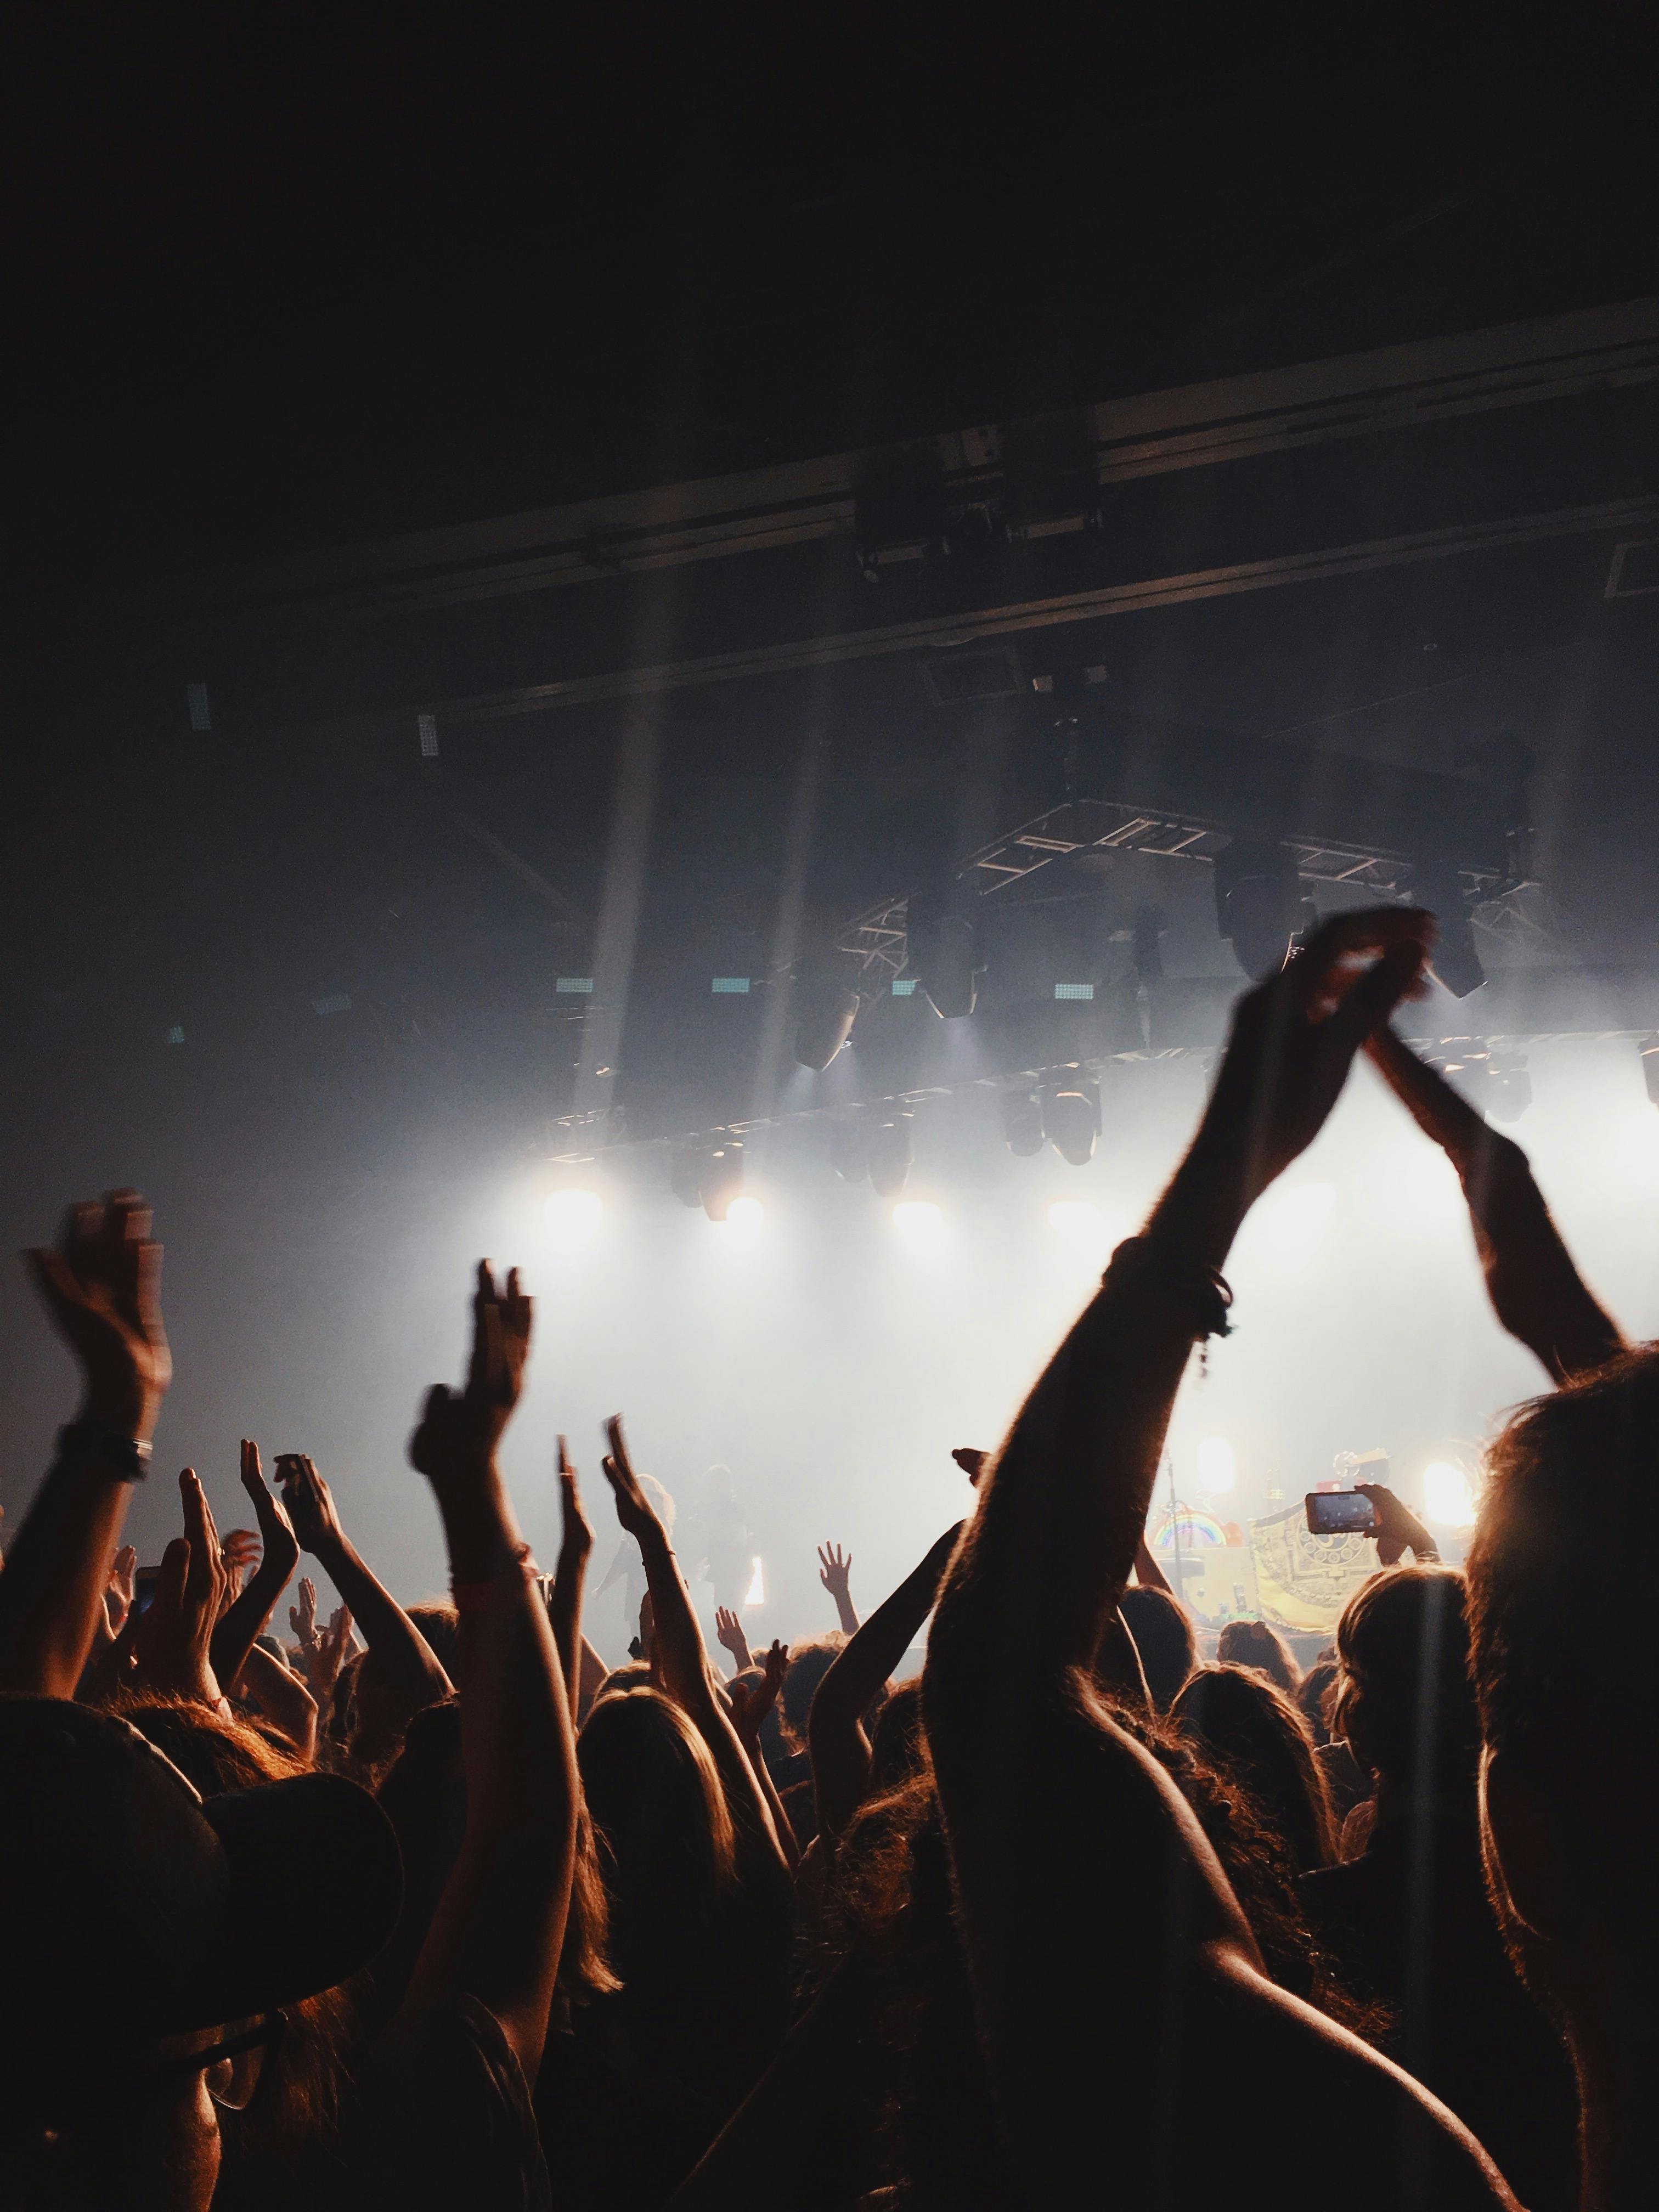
{"x":459,"y":1430}
{"x":101,"y":1284}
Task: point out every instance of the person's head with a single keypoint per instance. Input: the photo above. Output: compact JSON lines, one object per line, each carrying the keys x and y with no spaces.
{"x":1254,"y":1644}
{"x":1558,"y":1634}
{"x":1244,"y":1722}
{"x":153,"y":1934}
{"x":666,"y":1842}
{"x":1162,"y":1631}
{"x":424,"y":1797}
{"x":441,"y":1625}
{"x":1314,"y":1697}
{"x":1403,"y":1700}
{"x":379,"y":1708}
{"x":898,"y":1743}
{"x":808,"y":1665}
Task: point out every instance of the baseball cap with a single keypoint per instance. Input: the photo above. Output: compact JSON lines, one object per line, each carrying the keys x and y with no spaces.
{"x":132,"y":1906}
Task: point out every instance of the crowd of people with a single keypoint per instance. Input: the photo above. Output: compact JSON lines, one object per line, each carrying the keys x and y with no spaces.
{"x":426,"y":1907}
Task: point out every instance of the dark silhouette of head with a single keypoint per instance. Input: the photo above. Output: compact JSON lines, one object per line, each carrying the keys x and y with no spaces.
{"x":1314,"y":1697}
{"x":1559,"y":1629}
{"x":1403,"y":1699}
{"x":1243,"y":1722}
{"x":1163,"y":1630}
{"x":1254,"y":1644}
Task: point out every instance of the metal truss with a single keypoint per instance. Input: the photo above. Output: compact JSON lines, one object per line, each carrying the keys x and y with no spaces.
{"x":1466,"y":1044}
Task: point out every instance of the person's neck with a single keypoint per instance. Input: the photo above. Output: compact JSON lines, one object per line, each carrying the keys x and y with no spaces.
{"x":1398,"y":1801}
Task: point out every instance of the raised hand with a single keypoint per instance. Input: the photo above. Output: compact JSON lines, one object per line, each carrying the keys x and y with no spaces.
{"x":635,"y":1510}
{"x":1398,"y":1529}
{"x":172,"y":1639}
{"x":101,"y":1284}
{"x":240,"y":1548}
{"x":329,"y":1656}
{"x":834,"y":1567}
{"x":279,"y":1545}
{"x":119,"y":1591}
{"x":1294,"y":1038}
{"x":750,"y":1702}
{"x":310,"y":1513}
{"x":728,"y":1630}
{"x":302,"y":1617}
{"x":577,"y":1533}
{"x":459,"y":1430}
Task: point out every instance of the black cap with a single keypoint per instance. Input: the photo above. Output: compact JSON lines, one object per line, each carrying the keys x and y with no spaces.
{"x":133,"y":1906}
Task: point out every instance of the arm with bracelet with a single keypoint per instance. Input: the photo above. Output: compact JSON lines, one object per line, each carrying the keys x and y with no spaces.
{"x":101,"y":1284}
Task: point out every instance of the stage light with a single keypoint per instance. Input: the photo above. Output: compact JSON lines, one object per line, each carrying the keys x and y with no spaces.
{"x":848,"y":1153}
{"x":686,"y":1174}
{"x":919,"y":1224}
{"x":1651,"y":1069}
{"x":1022,"y":1124}
{"x":722,"y":1179}
{"x":572,"y":1219}
{"x":1258,"y":906}
{"x":1084,"y":1227}
{"x":755,"y":1593}
{"x":1448,"y":1496}
{"x":942,"y":950}
{"x":1454,"y":964}
{"x":745,"y":1216}
{"x":1218,"y":1470}
{"x":825,"y":1010}
{"x":1508,"y":1089}
{"x":887,"y":1147}
{"x":1071,"y":1119}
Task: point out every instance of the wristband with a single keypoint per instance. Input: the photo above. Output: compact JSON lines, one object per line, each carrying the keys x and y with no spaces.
{"x":499,"y":1587}
{"x":126,"y":1457}
{"x":1202,"y":1296}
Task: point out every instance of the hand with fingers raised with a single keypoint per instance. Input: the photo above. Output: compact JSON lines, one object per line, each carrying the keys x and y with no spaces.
{"x":240,"y":1548}
{"x":835,"y":1566}
{"x":576,"y":1531}
{"x":635,"y":1511}
{"x":308,"y":1506}
{"x":750,"y":1702}
{"x":460,"y":1429}
{"x":101,"y":1284}
{"x":278,"y":1544}
{"x":728,"y":1630}
{"x":172,"y":1639}
{"x":302,"y":1617}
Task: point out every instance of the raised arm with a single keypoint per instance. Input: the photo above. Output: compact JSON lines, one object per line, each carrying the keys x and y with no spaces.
{"x":101,"y":1285}
{"x":496,"y":1933}
{"x":1536,"y":1292}
{"x":244,"y":1619}
{"x":835,"y":1728}
{"x":679,"y":1656}
{"x":1105,"y":1946}
{"x":835,"y":1572}
{"x":413,"y":1676}
{"x":564,"y":1603}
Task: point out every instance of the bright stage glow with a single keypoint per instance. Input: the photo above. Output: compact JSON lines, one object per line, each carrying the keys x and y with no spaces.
{"x":1448,"y":1496}
{"x":1295,"y":1217}
{"x":745,"y":1217}
{"x":1218,"y":1470}
{"x":1084,"y":1227}
{"x":756,"y":1594}
{"x":919,"y":1224}
{"x":572,"y":1219}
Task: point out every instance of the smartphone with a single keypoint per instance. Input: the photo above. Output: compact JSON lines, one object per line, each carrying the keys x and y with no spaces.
{"x":1339,"y":1513}
{"x":144,"y":1588}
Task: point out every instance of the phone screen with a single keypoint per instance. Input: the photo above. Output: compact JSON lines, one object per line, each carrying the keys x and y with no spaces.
{"x":143,"y":1590}
{"x":1339,"y":1513}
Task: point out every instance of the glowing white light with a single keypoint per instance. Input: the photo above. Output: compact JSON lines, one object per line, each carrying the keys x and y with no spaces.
{"x":1218,"y":1470}
{"x":744,"y":1216}
{"x":572,"y":1218}
{"x":1448,"y":1496}
{"x":1298,"y":1216}
{"x":1083,"y":1226}
{"x":756,"y":1592}
{"x":919,"y":1224}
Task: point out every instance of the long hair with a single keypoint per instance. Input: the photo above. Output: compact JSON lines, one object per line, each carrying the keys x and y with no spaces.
{"x":1254,"y":1644}
{"x":666,"y":1848}
{"x":1403,"y":1646}
{"x":1244,"y":1722}
{"x":297,"y":2112}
